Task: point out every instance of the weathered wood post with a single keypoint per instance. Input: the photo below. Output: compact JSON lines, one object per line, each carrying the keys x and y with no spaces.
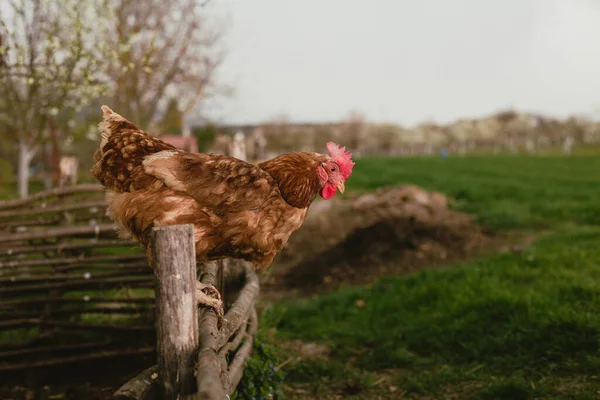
{"x":174,"y":264}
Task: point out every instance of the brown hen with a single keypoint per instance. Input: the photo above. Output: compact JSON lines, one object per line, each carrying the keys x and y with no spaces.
{"x":238,"y":210}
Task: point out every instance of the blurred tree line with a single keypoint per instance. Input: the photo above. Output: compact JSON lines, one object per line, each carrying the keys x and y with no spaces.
{"x":151,"y":60}
{"x":504,"y":131}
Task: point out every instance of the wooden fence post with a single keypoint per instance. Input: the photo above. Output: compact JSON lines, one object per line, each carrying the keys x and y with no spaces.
{"x":174,"y":264}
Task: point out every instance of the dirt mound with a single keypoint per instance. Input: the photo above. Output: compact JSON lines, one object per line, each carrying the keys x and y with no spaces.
{"x":391,"y":231}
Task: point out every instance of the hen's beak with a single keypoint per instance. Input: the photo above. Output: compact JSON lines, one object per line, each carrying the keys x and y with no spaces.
{"x":340,"y":186}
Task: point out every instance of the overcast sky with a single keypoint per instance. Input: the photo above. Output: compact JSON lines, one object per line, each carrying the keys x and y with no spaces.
{"x":407,"y":61}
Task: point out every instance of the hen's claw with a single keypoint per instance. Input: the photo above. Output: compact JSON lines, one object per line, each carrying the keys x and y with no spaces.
{"x":209,"y":296}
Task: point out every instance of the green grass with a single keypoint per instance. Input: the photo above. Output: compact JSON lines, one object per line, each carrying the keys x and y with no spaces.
{"x":504,"y":192}
{"x":512,"y":326}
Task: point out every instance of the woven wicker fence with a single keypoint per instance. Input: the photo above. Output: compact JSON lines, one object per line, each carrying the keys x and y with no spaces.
{"x":70,"y":291}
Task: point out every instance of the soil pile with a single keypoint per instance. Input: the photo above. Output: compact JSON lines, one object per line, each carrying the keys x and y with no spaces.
{"x":393,"y":230}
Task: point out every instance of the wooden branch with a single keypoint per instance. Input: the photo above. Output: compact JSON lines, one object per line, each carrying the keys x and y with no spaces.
{"x":209,"y":273}
{"x":209,"y":369}
{"x":20,"y":314}
{"x":17,"y":323}
{"x":40,"y":337}
{"x":144,"y":281}
{"x":72,"y":359}
{"x":81,"y":218}
{"x":39,"y":270}
{"x":54,"y":209}
{"x":253,"y":322}
{"x":53,"y":348}
{"x":174,"y":264}
{"x":72,"y":260}
{"x":118,"y":266}
{"x":18,"y":280}
{"x":77,"y":300}
{"x":236,"y":369}
{"x":52,"y":233}
{"x":142,"y":387}
{"x":241,"y":308}
{"x":220,"y":277}
{"x":58,"y":248}
{"x":209,"y":383}
{"x":32,"y":222}
{"x":6,"y":204}
{"x":233,"y":344}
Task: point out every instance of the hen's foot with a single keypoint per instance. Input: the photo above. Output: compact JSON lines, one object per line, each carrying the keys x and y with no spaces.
{"x":209,"y":296}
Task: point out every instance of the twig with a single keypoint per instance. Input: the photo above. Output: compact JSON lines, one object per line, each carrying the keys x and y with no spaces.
{"x":119,"y":266}
{"x":73,"y":325}
{"x":51,"y":193}
{"x":81,"y":218}
{"x":33,"y":222}
{"x":52,"y":233}
{"x":30,"y":342}
{"x":58,"y":248}
{"x":16,"y":280}
{"x":66,"y":360}
{"x":75,"y":311}
{"x":241,"y":308}
{"x":286,"y":362}
{"x":71,"y":260}
{"x":86,"y":300}
{"x":54,"y":348}
{"x":39,"y":270}
{"x":141,"y":387}
{"x":146,"y":281}
{"x":234,"y":344}
{"x":209,"y":273}
{"x":54,"y":209}
{"x":236,"y":369}
{"x":378,"y":381}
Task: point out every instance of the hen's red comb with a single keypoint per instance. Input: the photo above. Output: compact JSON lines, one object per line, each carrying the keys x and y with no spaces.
{"x":342,"y":158}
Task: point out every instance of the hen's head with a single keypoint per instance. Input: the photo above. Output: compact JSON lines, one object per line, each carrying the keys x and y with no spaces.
{"x":334,"y":171}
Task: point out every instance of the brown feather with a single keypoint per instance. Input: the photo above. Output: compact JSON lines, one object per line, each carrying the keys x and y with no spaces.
{"x":296,"y":176}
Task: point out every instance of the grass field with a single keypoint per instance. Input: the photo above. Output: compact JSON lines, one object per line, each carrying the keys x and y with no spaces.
{"x":504,"y":192}
{"x":520,"y":325}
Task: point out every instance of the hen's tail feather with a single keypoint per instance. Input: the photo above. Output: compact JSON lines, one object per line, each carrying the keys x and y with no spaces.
{"x":123,"y":147}
{"x":109,"y":117}
{"x":111,"y":124}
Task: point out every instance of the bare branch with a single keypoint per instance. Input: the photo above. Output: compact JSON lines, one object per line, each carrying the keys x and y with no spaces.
{"x":72,"y":359}
{"x":92,"y":188}
{"x":95,"y":230}
{"x":163,"y":48}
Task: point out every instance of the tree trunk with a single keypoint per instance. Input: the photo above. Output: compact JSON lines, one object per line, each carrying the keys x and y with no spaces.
{"x":26,"y":154}
{"x":54,"y":153}
{"x":186,"y":131}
